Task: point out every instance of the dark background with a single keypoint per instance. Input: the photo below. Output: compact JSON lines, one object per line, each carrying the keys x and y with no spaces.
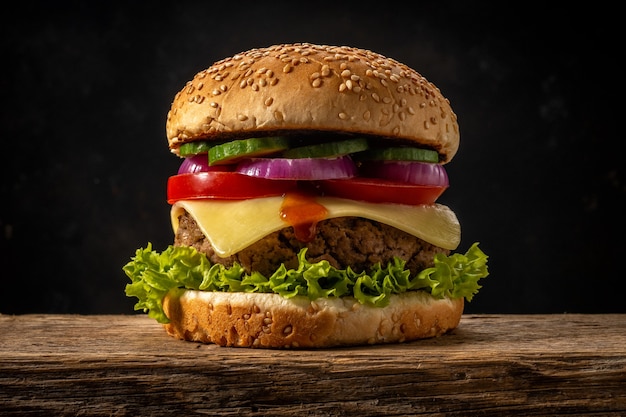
{"x":539,"y":178}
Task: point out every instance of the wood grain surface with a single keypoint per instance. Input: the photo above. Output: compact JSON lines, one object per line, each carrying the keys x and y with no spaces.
{"x":490,"y":366}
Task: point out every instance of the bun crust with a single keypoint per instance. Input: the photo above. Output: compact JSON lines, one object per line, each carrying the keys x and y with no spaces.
{"x":306,"y":87}
{"x":271,"y":321}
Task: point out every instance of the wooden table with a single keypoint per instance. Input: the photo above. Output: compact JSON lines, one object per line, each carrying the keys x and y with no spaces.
{"x":491,"y":365}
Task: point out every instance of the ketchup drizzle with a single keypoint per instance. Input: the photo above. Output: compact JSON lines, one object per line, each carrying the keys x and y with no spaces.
{"x":302,"y":212}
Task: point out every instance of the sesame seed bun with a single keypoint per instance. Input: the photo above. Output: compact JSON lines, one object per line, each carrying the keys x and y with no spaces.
{"x":304,"y":88}
{"x":271,"y":321}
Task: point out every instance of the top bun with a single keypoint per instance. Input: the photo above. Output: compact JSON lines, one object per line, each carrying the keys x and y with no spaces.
{"x":304,"y":87}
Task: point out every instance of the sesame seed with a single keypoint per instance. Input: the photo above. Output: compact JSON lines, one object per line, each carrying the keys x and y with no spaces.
{"x":279,"y":116}
{"x":268,"y":102}
{"x":433,"y":120}
{"x":396,"y":130}
{"x":200,"y":85}
{"x":317,"y":82}
{"x":349,"y":84}
{"x":214,"y":105}
{"x":274,"y":81}
{"x":216,"y":92}
{"x":343,"y":116}
{"x":345,"y":73}
{"x":376,"y":97}
{"x":325,"y":70}
{"x":255,"y":87}
{"x":426,"y":124}
{"x":367,"y":115}
{"x":342,"y":87}
{"x":262,"y":82}
{"x":287,"y":69}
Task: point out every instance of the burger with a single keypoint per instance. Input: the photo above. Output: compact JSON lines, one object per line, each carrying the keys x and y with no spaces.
{"x":305,"y":211}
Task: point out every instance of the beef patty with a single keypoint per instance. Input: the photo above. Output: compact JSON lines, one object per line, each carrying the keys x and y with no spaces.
{"x":344,"y":241}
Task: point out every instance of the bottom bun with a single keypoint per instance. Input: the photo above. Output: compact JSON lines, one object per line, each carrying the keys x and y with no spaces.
{"x":271,"y":321}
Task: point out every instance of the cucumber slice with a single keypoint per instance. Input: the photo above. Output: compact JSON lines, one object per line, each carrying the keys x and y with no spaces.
{"x":401,"y":154}
{"x":231,"y":152}
{"x":194,"y":148}
{"x":328,"y":149}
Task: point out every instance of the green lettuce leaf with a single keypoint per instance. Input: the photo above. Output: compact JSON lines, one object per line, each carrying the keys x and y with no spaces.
{"x":153,"y":274}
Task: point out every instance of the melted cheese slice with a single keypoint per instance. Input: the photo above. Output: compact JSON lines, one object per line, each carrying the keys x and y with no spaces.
{"x":232,"y":226}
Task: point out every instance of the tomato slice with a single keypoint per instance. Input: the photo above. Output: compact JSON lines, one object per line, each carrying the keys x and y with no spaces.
{"x":223,"y":185}
{"x":375,"y":190}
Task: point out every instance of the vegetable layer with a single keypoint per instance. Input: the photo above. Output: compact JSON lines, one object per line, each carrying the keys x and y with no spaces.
{"x":153,"y":274}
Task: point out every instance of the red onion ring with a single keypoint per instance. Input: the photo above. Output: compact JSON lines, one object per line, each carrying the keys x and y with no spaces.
{"x":411,"y":172}
{"x":298,"y":169}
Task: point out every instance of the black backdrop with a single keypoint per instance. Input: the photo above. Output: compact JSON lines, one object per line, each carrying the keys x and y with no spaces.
{"x":538,"y":180}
